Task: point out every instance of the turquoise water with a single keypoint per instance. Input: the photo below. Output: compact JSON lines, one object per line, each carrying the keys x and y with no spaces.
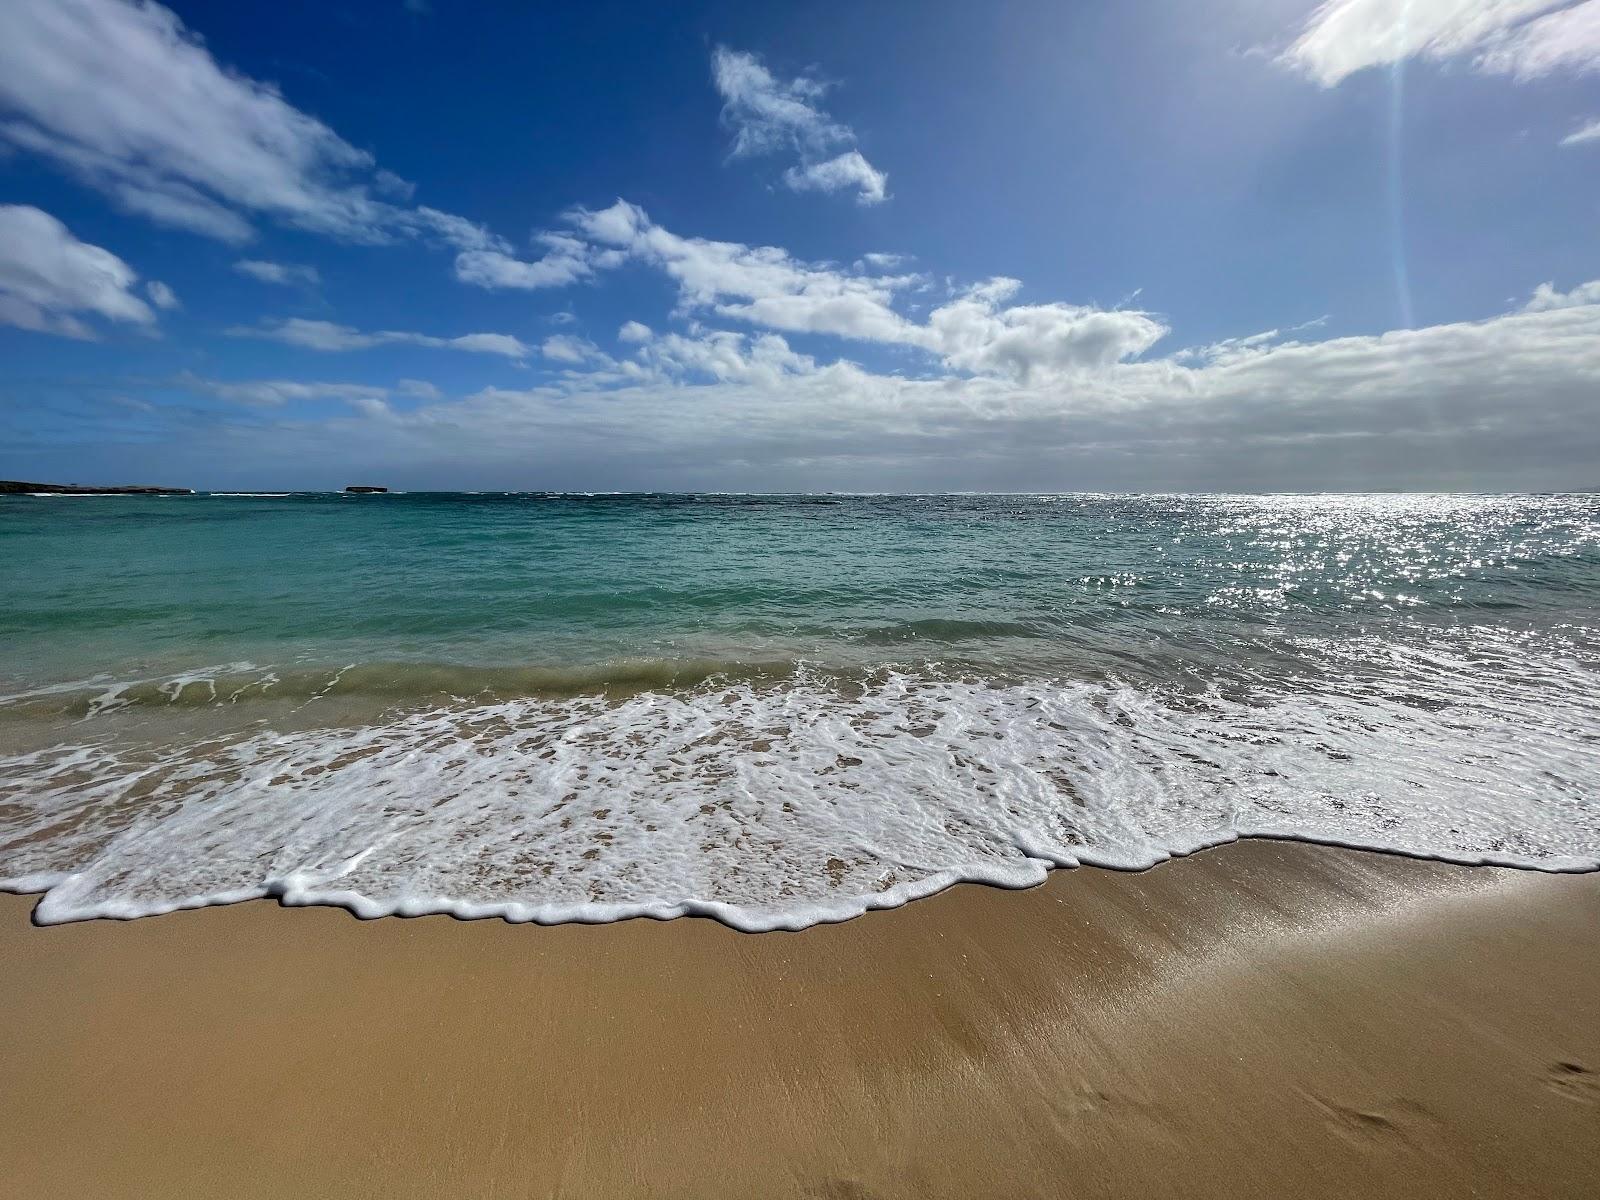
{"x":211,"y":697}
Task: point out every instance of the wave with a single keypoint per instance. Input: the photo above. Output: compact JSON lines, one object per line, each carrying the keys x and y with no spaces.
{"x":778,"y":803}
{"x":400,"y":683}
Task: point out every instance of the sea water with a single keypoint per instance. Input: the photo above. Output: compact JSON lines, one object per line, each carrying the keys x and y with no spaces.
{"x":774,"y":710}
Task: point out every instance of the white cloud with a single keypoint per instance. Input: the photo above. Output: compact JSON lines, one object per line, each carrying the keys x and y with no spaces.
{"x":848,"y":170}
{"x":976,"y":332}
{"x":1568,"y":40}
{"x":283,"y":274}
{"x":761,"y":284}
{"x":634,"y":332}
{"x":419,"y":388}
{"x":1237,"y":349}
{"x":48,"y":278}
{"x":277,"y":392}
{"x":1035,"y":341}
{"x":768,"y":115}
{"x":1545,"y":297}
{"x":502,"y":344}
{"x":565,"y":348}
{"x":1587,"y":132}
{"x":328,"y":336}
{"x":1522,"y":38}
{"x":124,"y":97}
{"x":724,"y":356}
{"x":1507,"y":402}
{"x":161,"y":295}
{"x":566,"y":260}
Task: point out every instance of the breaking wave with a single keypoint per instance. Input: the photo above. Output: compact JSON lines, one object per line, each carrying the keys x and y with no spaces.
{"x":773,"y":797}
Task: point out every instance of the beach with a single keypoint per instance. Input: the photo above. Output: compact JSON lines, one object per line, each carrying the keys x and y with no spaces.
{"x":748,"y":602}
{"x":1262,"y":1019}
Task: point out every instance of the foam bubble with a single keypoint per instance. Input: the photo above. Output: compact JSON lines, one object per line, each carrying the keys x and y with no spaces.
{"x":777,"y":804}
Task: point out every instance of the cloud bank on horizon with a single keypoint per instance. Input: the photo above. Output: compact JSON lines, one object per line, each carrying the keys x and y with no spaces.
{"x":706,"y":362}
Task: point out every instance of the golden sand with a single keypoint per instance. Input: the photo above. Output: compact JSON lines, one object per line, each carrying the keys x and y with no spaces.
{"x":1264,"y":1020}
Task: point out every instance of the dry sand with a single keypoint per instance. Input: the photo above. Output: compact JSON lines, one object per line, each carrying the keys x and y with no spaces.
{"x":1267,"y":1019}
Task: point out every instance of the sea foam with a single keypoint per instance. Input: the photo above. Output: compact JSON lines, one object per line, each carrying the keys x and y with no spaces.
{"x":778,"y":804}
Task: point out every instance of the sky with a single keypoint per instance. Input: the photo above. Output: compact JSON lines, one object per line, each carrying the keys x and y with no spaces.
{"x":1161,"y":245}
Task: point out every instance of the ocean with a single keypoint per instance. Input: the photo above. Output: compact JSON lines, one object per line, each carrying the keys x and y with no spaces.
{"x":774,"y":710}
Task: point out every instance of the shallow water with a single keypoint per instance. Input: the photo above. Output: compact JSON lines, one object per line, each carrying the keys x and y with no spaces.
{"x":774,"y":710}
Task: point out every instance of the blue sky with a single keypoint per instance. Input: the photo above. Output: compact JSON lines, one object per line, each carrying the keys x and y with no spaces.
{"x":1244,"y":244}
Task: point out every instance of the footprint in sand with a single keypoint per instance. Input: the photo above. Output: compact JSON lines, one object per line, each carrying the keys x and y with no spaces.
{"x":1371,"y":1125}
{"x":1574,"y":1081}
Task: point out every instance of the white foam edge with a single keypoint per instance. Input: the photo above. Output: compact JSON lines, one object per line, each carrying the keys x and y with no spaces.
{"x":291,"y":892}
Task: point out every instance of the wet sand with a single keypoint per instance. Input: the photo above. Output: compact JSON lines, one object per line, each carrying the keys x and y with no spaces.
{"x":1263,"y":1020}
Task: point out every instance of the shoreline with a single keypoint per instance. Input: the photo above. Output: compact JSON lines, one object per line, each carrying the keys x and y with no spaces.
{"x":286,"y":894}
{"x":1261,"y":1019}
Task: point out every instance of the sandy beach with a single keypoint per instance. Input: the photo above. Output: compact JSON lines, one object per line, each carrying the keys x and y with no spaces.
{"x":1267,"y":1019}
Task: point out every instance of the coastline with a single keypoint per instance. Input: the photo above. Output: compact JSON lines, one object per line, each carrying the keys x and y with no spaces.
{"x":1262,"y":1019}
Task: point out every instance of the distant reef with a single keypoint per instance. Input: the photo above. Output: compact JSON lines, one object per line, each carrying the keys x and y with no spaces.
{"x":16,"y":487}
{"x":363,"y":488}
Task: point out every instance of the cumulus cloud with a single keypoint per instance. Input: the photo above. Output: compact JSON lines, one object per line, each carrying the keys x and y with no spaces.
{"x":566,"y":260}
{"x":49,"y":279}
{"x":1545,"y":297}
{"x":848,"y":170}
{"x":171,"y":135}
{"x":768,"y":115}
{"x":282,"y":274}
{"x":721,"y":355}
{"x":329,"y":336}
{"x":978,"y":333}
{"x":1506,"y":402}
{"x":1525,"y":39}
{"x":768,"y":287}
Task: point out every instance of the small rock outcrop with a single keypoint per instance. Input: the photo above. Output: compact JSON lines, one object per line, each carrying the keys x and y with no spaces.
{"x":362,"y":488}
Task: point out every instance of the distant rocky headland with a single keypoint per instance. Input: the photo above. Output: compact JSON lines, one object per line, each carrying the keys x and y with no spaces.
{"x":16,"y":487}
{"x":364,"y":488}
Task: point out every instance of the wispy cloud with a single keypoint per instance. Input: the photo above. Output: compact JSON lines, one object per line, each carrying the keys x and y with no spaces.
{"x":1525,"y":39}
{"x":330,"y":337}
{"x":1587,"y":132}
{"x":49,"y":280}
{"x":421,"y":389}
{"x":171,"y":135}
{"x":161,"y":295}
{"x":274,"y":393}
{"x":565,"y":348}
{"x":768,"y":115}
{"x":282,"y":274}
